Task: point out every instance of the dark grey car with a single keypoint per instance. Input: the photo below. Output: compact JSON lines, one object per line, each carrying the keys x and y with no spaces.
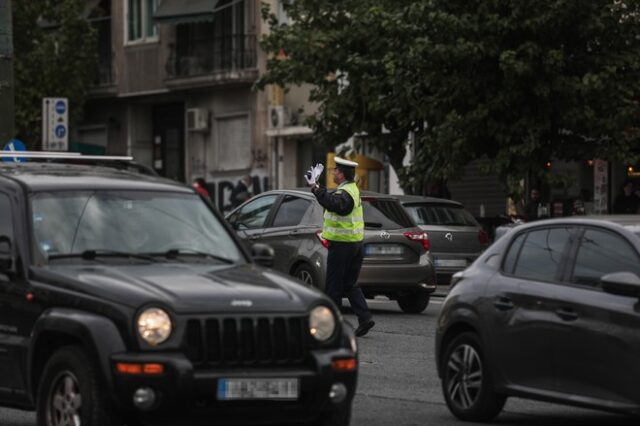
{"x":549,"y":312}
{"x":456,"y":237}
{"x":397,"y":263}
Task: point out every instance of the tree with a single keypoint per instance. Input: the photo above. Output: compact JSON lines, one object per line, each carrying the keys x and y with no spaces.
{"x":55,"y":56}
{"x":518,"y":82}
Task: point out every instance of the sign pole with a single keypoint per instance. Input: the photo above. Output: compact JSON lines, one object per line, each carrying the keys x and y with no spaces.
{"x":7,"y":105}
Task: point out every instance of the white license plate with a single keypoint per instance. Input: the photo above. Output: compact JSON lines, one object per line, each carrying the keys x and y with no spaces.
{"x":452,"y":263}
{"x":384,"y":250}
{"x":280,"y":389}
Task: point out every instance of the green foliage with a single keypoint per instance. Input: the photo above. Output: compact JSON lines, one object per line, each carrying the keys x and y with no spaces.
{"x":55,"y":56}
{"x":518,"y":82}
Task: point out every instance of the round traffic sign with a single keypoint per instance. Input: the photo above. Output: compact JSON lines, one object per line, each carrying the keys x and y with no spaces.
{"x":61,"y":107}
{"x":60,"y":131}
{"x":15,"y":145}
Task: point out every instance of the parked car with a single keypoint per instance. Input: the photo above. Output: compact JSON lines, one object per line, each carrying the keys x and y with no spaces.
{"x":397,"y":262}
{"x":126,"y":297}
{"x":548,"y":312}
{"x":456,"y":238}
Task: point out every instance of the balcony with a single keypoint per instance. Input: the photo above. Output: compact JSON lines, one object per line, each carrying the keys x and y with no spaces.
{"x":209,"y":60}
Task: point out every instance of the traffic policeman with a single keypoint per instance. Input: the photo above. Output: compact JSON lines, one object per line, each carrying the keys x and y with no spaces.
{"x":343,"y":227}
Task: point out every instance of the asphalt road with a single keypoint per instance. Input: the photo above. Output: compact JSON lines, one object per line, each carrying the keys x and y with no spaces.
{"x":398,"y":384}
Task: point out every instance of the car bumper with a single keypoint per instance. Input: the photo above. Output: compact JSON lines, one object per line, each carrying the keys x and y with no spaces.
{"x":185,"y":393}
{"x":450,"y":263}
{"x":382,"y":278}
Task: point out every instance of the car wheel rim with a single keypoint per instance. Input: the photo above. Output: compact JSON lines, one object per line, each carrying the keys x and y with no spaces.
{"x":464,"y":376}
{"x":305,"y":277}
{"x":65,"y":401}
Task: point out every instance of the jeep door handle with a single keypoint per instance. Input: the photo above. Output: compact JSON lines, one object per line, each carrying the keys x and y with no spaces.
{"x":254,"y":237}
{"x":567,"y":314}
{"x":294,"y":232}
{"x":503,"y":303}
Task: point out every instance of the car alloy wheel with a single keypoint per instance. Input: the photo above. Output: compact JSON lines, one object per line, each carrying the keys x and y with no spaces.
{"x":464,"y":376}
{"x":305,"y":273}
{"x":65,"y":401}
{"x":305,"y":277}
{"x":467,"y":383}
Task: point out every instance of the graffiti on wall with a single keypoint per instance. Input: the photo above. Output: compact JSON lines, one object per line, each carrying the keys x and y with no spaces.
{"x":220,"y":189}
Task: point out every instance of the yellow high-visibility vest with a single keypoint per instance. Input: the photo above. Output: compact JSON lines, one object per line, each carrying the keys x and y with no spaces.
{"x":347,"y":228}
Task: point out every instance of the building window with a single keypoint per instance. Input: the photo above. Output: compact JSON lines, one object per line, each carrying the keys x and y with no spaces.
{"x":140,"y":26}
{"x":234,"y":143}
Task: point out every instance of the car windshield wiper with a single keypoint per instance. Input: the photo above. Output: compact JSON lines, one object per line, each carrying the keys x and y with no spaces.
{"x":92,"y":254}
{"x":175,"y":252}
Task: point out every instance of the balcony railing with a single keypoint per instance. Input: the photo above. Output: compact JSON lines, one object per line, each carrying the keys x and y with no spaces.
{"x":211,"y":55}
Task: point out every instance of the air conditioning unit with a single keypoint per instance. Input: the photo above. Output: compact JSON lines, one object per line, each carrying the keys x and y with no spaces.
{"x":197,"y":119}
{"x":279,"y":116}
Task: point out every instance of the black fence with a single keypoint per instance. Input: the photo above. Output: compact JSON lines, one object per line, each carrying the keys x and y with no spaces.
{"x":211,"y":55}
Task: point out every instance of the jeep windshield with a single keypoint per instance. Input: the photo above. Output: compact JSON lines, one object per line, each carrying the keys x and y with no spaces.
{"x":130,"y":225}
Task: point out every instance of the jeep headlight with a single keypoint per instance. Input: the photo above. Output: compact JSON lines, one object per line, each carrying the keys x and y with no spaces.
{"x":154,"y":326}
{"x":322,"y":323}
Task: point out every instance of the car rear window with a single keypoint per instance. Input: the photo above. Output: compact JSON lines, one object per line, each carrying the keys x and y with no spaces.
{"x":439,"y":214}
{"x":385,"y":214}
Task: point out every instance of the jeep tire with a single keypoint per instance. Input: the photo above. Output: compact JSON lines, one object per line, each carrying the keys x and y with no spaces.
{"x":338,"y":417}
{"x":70,"y":392}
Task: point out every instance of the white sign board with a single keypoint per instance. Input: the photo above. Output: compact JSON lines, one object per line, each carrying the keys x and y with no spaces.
{"x":600,"y":187}
{"x":55,"y":124}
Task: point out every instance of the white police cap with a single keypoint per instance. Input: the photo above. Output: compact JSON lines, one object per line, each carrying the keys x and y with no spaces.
{"x":345,"y":163}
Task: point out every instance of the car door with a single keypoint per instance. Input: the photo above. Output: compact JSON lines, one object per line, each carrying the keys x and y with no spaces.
{"x":598,"y":345}
{"x":522,"y":298}
{"x":285,"y":232}
{"x":13,"y":329}
{"x":250,"y":220}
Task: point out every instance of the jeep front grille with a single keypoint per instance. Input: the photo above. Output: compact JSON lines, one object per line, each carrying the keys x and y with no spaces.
{"x":236,"y":341}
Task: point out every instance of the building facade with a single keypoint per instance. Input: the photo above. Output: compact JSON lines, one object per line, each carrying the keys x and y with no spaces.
{"x":175,"y":90}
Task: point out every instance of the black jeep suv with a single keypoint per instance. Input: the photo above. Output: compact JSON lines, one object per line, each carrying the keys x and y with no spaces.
{"x":125,"y":298}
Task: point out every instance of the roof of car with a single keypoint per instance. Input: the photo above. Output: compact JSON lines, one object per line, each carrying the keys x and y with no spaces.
{"x":307,"y":191}
{"x":411,"y":199}
{"x":56,"y":176}
{"x":631,"y":222}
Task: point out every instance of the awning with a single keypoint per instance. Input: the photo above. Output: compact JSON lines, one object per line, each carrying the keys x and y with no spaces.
{"x":289,"y":131}
{"x":181,"y":12}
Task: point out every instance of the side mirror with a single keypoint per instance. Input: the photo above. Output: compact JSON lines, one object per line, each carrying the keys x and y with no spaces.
{"x":262,"y":254}
{"x":621,"y":283}
{"x":6,"y":257}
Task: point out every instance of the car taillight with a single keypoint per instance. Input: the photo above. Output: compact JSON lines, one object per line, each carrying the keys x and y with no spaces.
{"x":324,"y":242}
{"x":423,"y":237}
{"x":483,"y":237}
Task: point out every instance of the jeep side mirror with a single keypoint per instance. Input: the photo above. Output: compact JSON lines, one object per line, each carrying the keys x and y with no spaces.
{"x":621,"y":283}
{"x":6,"y":257}
{"x":262,"y":254}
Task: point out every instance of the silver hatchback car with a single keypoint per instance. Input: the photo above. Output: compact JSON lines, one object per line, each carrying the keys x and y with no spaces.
{"x":457,"y":238}
{"x":397,"y":262}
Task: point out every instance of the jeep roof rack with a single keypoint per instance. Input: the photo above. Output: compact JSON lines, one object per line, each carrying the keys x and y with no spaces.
{"x":115,"y":161}
{"x":62,"y":156}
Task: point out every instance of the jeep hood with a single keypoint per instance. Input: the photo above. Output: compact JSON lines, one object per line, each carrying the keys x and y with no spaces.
{"x":184,"y":287}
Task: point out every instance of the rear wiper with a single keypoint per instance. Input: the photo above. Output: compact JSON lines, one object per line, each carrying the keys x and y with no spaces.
{"x":372,"y":225}
{"x":174,"y":253}
{"x":92,"y":254}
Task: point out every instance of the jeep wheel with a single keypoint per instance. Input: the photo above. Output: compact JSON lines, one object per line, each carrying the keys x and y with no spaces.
{"x":307,"y":275}
{"x":413,"y":303}
{"x":466,"y":381}
{"x":70,"y":392}
{"x":337,"y":417}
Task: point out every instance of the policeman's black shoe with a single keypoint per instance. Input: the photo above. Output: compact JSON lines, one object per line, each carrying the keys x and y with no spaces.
{"x":364,"y":327}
